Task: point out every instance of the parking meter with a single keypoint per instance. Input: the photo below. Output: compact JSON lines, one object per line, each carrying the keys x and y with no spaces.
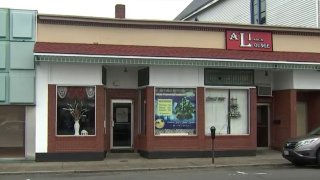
{"x":213,"y":132}
{"x":213,"y":136}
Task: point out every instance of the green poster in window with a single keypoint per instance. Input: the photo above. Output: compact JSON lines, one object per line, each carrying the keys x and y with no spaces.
{"x":175,"y":111}
{"x":164,"y":107}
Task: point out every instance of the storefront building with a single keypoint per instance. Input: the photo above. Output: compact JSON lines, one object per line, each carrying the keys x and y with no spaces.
{"x":92,"y":86}
{"x":156,"y":87}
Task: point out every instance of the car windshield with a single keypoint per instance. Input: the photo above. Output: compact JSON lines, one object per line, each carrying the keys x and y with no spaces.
{"x":315,"y":132}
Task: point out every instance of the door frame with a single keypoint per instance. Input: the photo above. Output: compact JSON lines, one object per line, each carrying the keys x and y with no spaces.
{"x":269,"y":123}
{"x":112,"y":123}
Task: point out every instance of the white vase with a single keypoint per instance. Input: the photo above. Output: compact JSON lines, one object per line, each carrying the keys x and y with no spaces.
{"x":76,"y":127}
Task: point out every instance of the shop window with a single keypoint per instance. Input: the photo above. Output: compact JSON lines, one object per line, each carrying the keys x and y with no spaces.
{"x":76,"y":110}
{"x":175,"y":111}
{"x":12,"y":123}
{"x":227,"y":110}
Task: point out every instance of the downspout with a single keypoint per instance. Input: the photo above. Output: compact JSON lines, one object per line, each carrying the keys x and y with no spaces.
{"x":252,"y":11}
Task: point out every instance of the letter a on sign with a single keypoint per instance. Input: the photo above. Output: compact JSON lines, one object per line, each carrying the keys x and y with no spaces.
{"x":233,"y":36}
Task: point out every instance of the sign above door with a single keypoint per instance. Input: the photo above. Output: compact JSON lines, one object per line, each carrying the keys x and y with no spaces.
{"x":248,"y":40}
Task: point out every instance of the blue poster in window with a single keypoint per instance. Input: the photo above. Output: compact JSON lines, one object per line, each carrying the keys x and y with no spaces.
{"x":175,"y":111}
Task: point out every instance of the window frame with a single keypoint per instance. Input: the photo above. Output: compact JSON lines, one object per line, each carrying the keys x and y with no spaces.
{"x":196,"y":113}
{"x":95,"y":111}
{"x":261,"y":19}
{"x":248,"y":122}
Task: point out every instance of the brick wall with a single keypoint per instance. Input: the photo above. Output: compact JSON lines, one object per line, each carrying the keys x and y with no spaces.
{"x":313,"y":110}
{"x":283,"y":123}
{"x":200,"y":142}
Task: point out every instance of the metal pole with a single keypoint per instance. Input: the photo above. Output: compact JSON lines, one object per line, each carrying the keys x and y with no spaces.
{"x":212,"y":145}
{"x":229,"y":123}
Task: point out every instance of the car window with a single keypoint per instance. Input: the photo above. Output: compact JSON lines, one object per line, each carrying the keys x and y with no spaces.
{"x":315,"y":132}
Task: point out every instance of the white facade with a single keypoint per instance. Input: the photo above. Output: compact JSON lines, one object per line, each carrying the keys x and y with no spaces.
{"x":297,"y":79}
{"x":122,"y":77}
{"x":306,"y":80}
{"x":127,"y":77}
{"x":60,"y":74}
{"x":176,"y":76}
{"x":296,"y":13}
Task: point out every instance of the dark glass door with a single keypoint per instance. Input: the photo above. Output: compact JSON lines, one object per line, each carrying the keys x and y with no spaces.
{"x":262,"y":125}
{"x":122,"y":129}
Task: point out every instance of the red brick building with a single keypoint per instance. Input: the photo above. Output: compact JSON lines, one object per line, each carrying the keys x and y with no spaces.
{"x":156,"y":87}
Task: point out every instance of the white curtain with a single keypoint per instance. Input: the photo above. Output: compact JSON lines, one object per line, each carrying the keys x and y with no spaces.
{"x":216,"y":111}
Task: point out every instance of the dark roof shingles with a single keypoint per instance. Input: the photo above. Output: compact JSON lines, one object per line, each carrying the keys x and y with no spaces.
{"x":179,"y":52}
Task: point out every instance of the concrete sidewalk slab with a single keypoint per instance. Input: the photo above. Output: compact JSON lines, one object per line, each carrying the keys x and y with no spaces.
{"x":135,"y":163}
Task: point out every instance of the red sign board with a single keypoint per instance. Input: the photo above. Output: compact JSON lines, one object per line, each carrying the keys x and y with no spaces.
{"x":249,"y":41}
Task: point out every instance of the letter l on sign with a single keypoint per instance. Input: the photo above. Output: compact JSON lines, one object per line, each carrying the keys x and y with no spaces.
{"x":242,"y":43}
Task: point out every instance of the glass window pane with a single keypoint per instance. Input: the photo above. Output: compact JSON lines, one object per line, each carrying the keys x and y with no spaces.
{"x":216,"y":113}
{"x":12,"y":120}
{"x":76,"y":110}
{"x":220,"y":104}
{"x":239,"y":112}
{"x":263,"y":6}
{"x":175,"y":111}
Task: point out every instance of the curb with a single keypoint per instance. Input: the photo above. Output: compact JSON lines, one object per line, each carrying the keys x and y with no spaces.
{"x":146,"y":169}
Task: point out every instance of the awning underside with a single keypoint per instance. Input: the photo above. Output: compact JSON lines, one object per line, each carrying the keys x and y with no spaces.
{"x":174,"y":61}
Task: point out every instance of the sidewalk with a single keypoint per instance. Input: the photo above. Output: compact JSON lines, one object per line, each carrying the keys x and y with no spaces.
{"x":128,"y":162}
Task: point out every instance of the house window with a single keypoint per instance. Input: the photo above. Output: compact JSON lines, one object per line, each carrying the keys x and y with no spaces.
{"x":76,"y":110}
{"x":227,"y":110}
{"x":258,"y":11}
{"x":175,"y":111}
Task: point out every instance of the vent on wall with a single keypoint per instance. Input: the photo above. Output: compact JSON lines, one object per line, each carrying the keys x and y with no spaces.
{"x":264,"y":90}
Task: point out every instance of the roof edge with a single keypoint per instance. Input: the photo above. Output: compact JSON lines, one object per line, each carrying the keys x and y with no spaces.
{"x":161,"y":24}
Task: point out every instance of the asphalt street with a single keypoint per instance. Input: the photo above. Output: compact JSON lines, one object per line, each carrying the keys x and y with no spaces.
{"x":231,"y":173}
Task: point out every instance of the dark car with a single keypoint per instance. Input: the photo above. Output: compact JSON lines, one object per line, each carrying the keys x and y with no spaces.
{"x":303,"y":150}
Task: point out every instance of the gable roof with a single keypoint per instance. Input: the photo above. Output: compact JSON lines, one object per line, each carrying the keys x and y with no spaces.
{"x":192,"y":7}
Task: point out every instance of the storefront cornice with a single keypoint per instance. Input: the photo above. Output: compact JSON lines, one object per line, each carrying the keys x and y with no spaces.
{"x":174,"y":61}
{"x":162,"y":24}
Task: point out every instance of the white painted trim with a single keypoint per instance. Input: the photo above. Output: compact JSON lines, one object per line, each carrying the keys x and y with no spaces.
{"x":176,"y":58}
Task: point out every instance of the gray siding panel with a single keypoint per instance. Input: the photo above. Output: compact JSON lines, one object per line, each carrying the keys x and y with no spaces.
{"x":318,"y":20}
{"x":296,"y":13}
{"x":301,"y":13}
{"x":229,"y":11}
